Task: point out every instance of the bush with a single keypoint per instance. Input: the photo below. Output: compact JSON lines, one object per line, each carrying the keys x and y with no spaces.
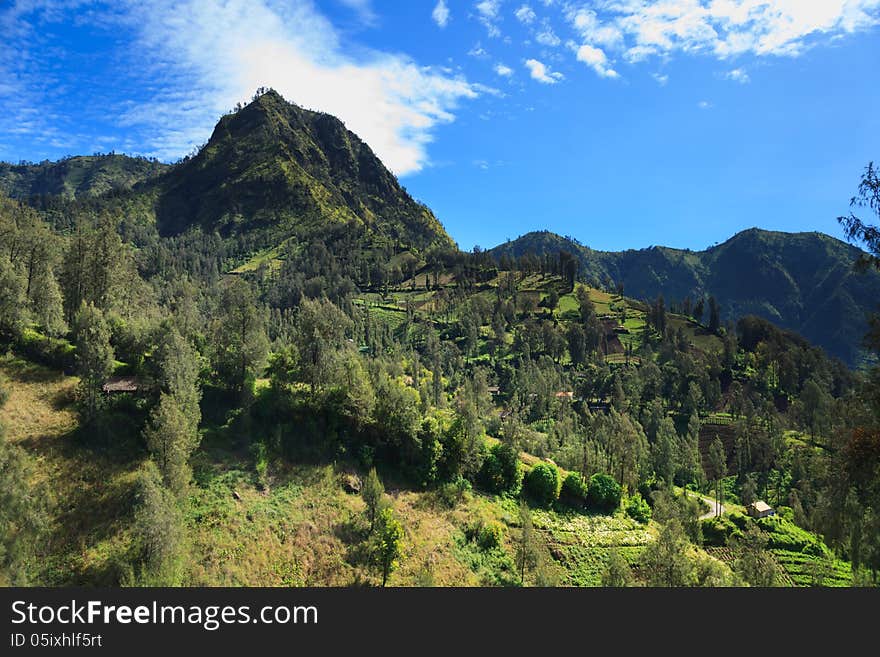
{"x":501,"y":472}
{"x":453,"y":492}
{"x":717,"y":532}
{"x":574,"y":491}
{"x":543,"y":484}
{"x":637,"y":509}
{"x":604,"y":493}
{"x":488,"y":534}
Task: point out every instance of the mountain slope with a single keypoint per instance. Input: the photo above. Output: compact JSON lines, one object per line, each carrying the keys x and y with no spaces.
{"x":276,"y":169}
{"x":801,"y":281}
{"x":76,"y":177}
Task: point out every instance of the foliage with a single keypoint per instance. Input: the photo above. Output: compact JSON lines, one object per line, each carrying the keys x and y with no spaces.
{"x":542,"y":483}
{"x":575,"y":490}
{"x":502,"y":472}
{"x":604,"y":493}
{"x":638,"y":509}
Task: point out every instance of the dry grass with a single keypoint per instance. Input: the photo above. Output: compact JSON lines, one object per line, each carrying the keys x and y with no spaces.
{"x":88,"y":489}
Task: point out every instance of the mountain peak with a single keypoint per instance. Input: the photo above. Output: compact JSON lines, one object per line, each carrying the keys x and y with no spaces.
{"x":281,"y":171}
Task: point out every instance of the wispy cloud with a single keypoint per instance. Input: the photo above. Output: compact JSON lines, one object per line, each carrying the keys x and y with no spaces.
{"x":489,"y":14}
{"x":197,"y":58}
{"x":738,"y":75}
{"x":503,"y":71}
{"x":596,"y":59}
{"x":542,"y":73}
{"x":441,"y":13}
{"x":525,"y":15}
{"x":639,"y":29}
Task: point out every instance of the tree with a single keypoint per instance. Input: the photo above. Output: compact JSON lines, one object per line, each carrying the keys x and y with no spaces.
{"x":663,"y":450}
{"x":699,"y":310}
{"x":320,"y":329}
{"x":543,"y":483}
{"x":240,"y":342}
{"x":527,"y":552}
{"x":604,"y":493}
{"x":94,"y":359}
{"x":714,"y":316}
{"x":718,"y":467}
{"x":667,"y":560}
{"x":373,"y":494}
{"x":859,"y":230}
{"x":617,"y":572}
{"x":48,"y":304}
{"x":171,"y":438}
{"x":502,"y":472}
{"x":158,"y":531}
{"x":12,"y":300}
{"x":172,"y":432}
{"x":387,"y":544}
{"x":751,"y":562}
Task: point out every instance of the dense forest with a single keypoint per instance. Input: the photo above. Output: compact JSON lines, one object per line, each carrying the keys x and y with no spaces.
{"x":204,"y":386}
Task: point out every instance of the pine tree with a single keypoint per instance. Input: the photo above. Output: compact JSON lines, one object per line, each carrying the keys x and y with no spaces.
{"x":94,"y":359}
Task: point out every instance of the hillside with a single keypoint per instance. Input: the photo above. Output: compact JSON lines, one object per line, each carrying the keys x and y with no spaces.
{"x":76,"y":177}
{"x":278,"y":170}
{"x":804,"y":282}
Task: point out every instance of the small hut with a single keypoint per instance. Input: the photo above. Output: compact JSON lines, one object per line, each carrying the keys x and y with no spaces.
{"x":760,"y":509}
{"x":118,"y":385}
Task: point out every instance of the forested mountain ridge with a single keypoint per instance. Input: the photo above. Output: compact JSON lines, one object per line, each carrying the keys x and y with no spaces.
{"x":804,"y":282}
{"x":275,"y":168}
{"x":76,"y":177}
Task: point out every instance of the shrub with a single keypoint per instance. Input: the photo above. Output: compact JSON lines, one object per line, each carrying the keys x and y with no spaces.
{"x":604,"y":493}
{"x":637,"y":509}
{"x":453,"y":492}
{"x":717,"y":532}
{"x":501,"y":472}
{"x":574,"y":491}
{"x":488,"y":534}
{"x":543,"y":484}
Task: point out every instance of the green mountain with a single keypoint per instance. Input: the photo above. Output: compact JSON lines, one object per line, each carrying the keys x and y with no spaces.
{"x":277,"y":170}
{"x":76,"y":177}
{"x":804,"y":282}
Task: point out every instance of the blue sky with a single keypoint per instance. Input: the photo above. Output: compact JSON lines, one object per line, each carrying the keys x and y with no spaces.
{"x":623,"y":123}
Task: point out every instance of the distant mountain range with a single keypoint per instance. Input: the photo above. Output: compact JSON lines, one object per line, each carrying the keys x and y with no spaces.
{"x":804,"y":282}
{"x":274,"y":172}
{"x":76,"y":177}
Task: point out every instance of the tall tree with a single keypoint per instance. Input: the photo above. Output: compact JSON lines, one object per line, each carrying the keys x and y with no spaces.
{"x":158,"y":531}
{"x":527,"y":553}
{"x":387,"y":543}
{"x":373,"y":493}
{"x":240,"y":342}
{"x":321,"y":328}
{"x":94,"y":359}
{"x":718,"y":466}
{"x":714,"y":315}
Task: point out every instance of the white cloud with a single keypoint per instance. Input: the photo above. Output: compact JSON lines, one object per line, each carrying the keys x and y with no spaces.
{"x":547,"y":37}
{"x":725,"y":28}
{"x":503,"y":71}
{"x":441,"y":14}
{"x":488,"y":13}
{"x":738,"y":75}
{"x":525,"y":15}
{"x":364,"y":9}
{"x":197,"y":58}
{"x":596,"y":59}
{"x":541,"y":72}
{"x":705,"y":104}
{"x":661,"y":78}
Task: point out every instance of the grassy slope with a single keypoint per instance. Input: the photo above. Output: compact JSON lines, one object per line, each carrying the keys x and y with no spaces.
{"x":302,"y":528}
